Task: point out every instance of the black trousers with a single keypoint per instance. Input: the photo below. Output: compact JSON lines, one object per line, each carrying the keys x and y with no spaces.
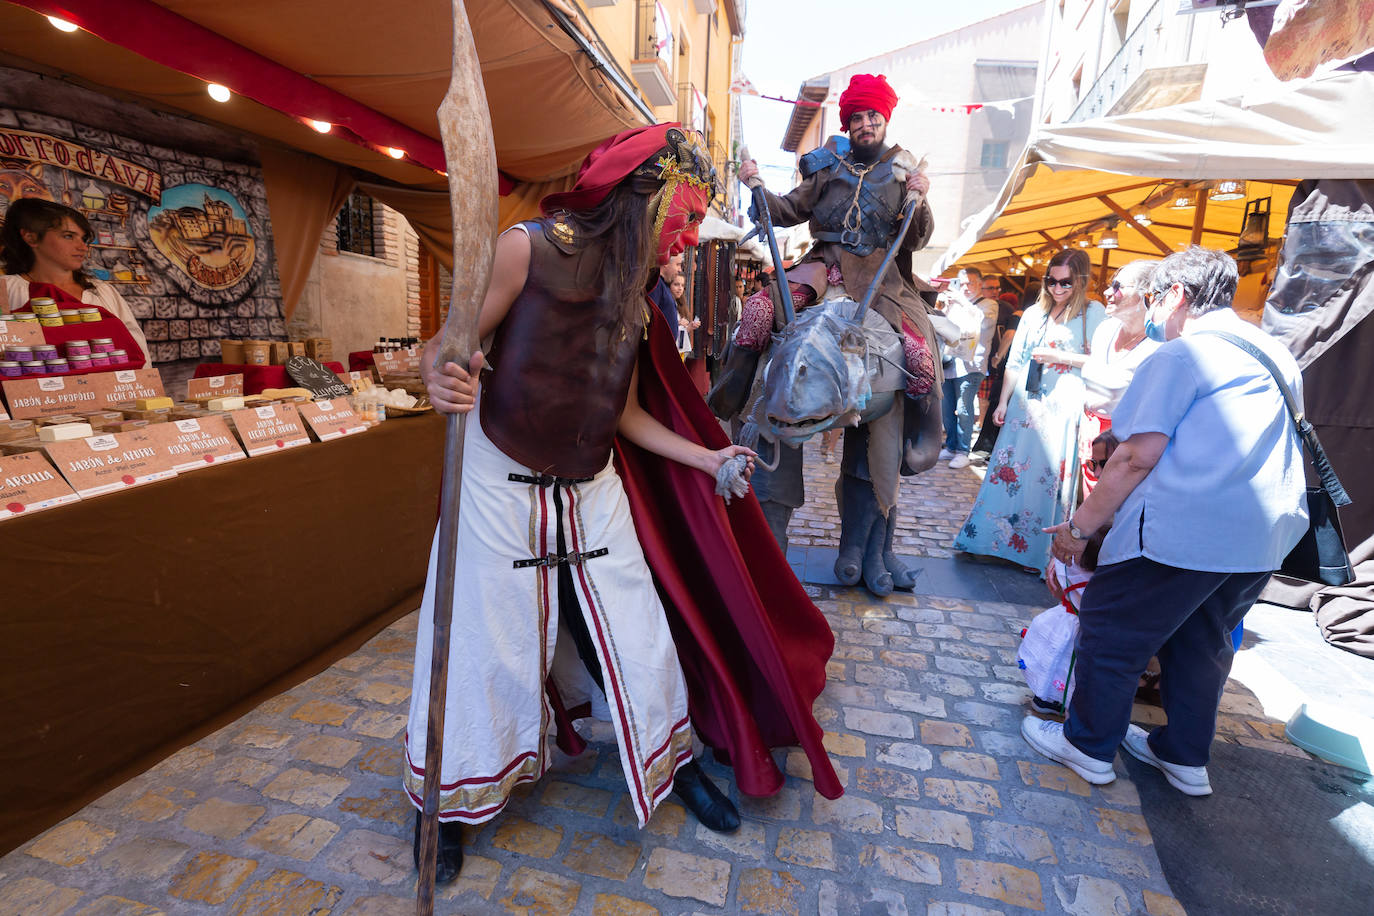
{"x":569,"y":606}
{"x":1138,"y":608}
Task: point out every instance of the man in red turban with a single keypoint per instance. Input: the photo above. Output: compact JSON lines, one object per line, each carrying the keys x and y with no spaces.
{"x":852,"y":195}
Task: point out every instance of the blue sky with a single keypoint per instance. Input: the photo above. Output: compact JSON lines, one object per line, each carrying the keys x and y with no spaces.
{"x":789,"y":41}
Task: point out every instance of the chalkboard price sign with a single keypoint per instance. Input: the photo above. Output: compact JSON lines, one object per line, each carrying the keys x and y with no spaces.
{"x":316,"y":378}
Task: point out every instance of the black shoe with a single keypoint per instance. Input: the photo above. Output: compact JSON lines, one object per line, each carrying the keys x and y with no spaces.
{"x":1047,"y":707}
{"x":703,"y":799}
{"x":450,"y":850}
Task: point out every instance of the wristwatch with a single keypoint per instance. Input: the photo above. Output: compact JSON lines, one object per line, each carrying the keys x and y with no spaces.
{"x":1075,"y":533}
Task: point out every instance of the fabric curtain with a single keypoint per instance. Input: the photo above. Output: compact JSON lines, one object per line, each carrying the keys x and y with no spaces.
{"x":430,"y":215}
{"x":303,"y":194}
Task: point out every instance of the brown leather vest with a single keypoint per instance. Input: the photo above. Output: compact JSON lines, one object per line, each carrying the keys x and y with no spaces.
{"x":562,"y":365}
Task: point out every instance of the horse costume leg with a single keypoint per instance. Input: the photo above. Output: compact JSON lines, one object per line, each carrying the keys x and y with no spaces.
{"x":903,"y":579}
{"x":779,"y":491}
{"x":858,"y":514}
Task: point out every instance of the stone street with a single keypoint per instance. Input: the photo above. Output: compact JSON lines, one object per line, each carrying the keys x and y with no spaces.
{"x":297,"y":808}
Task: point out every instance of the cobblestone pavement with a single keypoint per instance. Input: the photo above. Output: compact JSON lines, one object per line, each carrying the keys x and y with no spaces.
{"x":932,"y":506}
{"x":296,"y":808}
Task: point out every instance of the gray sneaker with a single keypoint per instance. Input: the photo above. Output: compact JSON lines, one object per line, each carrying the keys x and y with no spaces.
{"x":1047,"y":737}
{"x":1188,"y":780}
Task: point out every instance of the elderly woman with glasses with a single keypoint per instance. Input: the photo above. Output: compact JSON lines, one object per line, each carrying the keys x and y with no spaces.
{"x":1032,"y":476}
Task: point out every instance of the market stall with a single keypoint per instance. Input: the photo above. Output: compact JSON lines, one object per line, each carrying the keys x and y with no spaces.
{"x":1284,"y":181}
{"x":147,"y":606}
{"x":1146,"y":184}
{"x":139,"y":619}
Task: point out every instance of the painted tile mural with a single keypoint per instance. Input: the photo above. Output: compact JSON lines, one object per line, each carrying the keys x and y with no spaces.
{"x":185,"y":239}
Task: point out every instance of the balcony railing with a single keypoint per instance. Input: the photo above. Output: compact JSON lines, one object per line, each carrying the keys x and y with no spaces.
{"x":655,"y":49}
{"x":1159,"y":41}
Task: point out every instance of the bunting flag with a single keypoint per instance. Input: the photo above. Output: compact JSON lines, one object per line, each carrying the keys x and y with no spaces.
{"x":744,"y":86}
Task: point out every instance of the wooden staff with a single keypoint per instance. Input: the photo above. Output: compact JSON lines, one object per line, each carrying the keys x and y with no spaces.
{"x":465,"y":124}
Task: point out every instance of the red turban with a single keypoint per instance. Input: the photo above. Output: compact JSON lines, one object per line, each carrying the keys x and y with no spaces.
{"x":608,"y":165}
{"x":867,"y":91}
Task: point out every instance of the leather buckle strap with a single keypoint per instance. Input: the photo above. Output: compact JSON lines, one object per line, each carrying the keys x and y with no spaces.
{"x":548,"y":480}
{"x":575,"y":558}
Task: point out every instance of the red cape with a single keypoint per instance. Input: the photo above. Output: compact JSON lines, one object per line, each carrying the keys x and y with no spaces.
{"x":753,"y":646}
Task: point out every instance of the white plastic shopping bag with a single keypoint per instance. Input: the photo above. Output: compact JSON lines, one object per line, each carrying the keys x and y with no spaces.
{"x":1046,"y":654}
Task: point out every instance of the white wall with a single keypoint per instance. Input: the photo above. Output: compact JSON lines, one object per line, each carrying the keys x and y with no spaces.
{"x":941,"y":71}
{"x":354,"y":299}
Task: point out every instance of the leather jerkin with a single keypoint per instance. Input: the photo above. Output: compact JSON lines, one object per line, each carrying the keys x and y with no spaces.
{"x":562,"y":364}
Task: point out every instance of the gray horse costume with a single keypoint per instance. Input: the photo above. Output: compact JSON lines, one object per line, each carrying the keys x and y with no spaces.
{"x":854,"y":210}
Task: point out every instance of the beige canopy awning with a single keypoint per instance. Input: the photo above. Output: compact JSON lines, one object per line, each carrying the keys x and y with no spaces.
{"x":550,"y":101}
{"x":379,"y":69}
{"x":1076,"y":180}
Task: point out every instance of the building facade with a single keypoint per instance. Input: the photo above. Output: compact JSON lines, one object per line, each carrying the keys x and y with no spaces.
{"x":966,"y":100}
{"x":1108,"y":57}
{"x":679,"y":56}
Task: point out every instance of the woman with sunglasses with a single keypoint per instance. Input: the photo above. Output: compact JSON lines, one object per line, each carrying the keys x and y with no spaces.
{"x":1032,"y":475}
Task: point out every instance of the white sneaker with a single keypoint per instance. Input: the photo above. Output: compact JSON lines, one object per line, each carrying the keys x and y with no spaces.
{"x":960,"y":460}
{"x":945,"y":454}
{"x":1047,"y":737}
{"x":1188,"y":780}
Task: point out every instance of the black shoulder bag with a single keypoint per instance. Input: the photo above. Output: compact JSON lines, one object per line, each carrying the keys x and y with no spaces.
{"x":1321,"y":555}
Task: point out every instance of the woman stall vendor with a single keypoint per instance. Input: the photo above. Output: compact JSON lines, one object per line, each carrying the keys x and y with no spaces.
{"x":44,"y":246}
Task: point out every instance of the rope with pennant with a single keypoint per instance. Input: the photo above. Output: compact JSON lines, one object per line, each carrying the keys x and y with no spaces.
{"x":742,"y":85}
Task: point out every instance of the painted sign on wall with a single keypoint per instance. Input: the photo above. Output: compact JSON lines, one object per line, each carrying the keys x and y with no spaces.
{"x":186,"y":239}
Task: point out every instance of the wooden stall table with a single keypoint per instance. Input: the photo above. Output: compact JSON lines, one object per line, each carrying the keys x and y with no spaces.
{"x":138,"y":622}
{"x":257,"y":379}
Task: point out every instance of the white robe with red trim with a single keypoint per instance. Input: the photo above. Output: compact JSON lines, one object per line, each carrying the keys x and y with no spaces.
{"x":498,"y":721}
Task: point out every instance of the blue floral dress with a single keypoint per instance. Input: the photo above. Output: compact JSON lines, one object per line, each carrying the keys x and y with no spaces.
{"x":1032,"y":473}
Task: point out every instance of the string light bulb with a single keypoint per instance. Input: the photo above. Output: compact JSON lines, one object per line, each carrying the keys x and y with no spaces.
{"x":323,"y":127}
{"x":395,"y":153}
{"x":62,"y":25}
{"x":217,"y":92}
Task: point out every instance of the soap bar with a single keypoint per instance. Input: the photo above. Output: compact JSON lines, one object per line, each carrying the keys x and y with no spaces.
{"x":11,"y":430}
{"x":152,"y":403}
{"x":156,"y":415}
{"x":230,"y":402}
{"x":19,"y":446}
{"x":65,"y":432}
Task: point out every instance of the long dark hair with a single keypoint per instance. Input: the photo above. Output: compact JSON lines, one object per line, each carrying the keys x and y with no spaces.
{"x":622,"y":224}
{"x":39,"y":216}
{"x":1080,"y":269}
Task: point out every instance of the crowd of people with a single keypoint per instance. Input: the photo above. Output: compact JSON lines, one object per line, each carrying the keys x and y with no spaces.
{"x":1128,"y":421}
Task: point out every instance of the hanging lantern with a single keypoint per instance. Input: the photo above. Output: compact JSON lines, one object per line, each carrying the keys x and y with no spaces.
{"x":1142,"y":217}
{"x":1226,"y":189}
{"x":1109,"y":240}
{"x":1184,"y":199}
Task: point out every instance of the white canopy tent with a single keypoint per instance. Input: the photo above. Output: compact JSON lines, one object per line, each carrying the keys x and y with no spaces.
{"x":715,"y":228}
{"x":1074,"y":179}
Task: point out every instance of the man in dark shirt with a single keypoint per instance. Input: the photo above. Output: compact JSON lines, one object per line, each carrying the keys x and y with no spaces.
{"x":662,"y":295}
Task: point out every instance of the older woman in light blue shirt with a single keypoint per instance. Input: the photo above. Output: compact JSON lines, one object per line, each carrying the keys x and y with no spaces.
{"x":1208,"y":495}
